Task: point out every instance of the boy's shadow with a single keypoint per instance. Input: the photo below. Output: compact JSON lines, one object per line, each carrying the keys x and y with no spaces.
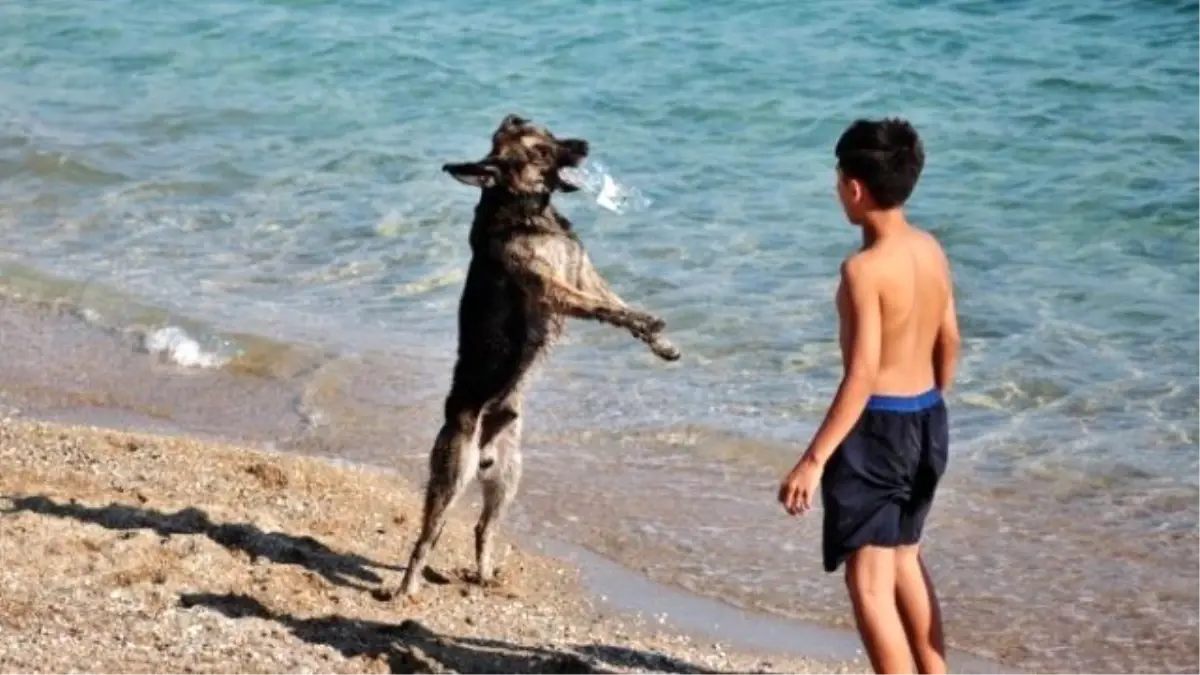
{"x":344,"y":569}
{"x":410,"y":647}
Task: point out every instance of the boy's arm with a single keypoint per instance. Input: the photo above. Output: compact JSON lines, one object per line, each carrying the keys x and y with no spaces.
{"x":946,"y":347}
{"x":862,"y":362}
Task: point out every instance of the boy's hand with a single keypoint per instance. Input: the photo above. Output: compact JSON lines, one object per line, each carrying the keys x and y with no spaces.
{"x":798,"y":489}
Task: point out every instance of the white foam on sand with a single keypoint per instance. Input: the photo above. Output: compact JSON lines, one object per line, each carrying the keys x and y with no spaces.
{"x":174,"y":345}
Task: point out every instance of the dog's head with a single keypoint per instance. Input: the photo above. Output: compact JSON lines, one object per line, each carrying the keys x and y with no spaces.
{"x":524,"y":161}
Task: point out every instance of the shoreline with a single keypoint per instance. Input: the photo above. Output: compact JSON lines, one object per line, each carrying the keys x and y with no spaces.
{"x":698,"y":616}
{"x":640,"y":620}
{"x":610,"y":584}
{"x":182,"y":555}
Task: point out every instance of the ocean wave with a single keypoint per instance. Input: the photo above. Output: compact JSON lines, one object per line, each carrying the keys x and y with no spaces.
{"x":57,"y":166}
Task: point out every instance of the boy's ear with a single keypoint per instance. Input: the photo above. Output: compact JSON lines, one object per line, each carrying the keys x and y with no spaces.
{"x":482,"y":175}
{"x":856,"y":189}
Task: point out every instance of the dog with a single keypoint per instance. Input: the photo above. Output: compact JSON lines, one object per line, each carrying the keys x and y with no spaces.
{"x":528,"y":274}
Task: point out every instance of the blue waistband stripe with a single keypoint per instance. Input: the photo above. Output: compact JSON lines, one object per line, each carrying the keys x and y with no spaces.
{"x":905,"y":403}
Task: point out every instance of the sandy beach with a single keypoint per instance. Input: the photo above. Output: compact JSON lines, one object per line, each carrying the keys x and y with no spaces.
{"x":127,"y":552}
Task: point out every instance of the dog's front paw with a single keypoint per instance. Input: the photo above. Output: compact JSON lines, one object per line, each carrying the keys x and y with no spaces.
{"x":652,"y":324}
{"x":663,"y":349}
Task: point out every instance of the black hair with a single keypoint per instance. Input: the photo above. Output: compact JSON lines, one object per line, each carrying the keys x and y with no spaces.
{"x":885,"y":155}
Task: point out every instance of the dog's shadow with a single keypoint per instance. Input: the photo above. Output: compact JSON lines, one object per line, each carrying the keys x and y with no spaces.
{"x":343,"y":569}
{"x":410,"y":647}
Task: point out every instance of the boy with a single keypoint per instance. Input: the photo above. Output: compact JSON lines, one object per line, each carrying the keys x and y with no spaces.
{"x":882,"y":447}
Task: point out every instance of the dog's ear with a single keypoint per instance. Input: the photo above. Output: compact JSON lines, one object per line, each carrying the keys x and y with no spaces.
{"x":513,"y":120}
{"x":482,"y":175}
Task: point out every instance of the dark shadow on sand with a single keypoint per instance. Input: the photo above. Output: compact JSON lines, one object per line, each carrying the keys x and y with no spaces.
{"x":410,"y":647}
{"x":344,"y":569}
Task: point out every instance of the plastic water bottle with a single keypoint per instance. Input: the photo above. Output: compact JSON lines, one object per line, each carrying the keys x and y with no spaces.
{"x":595,"y":180}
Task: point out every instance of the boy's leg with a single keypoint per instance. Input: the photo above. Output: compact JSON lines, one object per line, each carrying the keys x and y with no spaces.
{"x":871,"y":580}
{"x":919,"y":611}
{"x":915,"y":596}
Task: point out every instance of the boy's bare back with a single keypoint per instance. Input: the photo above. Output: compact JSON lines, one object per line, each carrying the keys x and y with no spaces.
{"x":910,"y":274}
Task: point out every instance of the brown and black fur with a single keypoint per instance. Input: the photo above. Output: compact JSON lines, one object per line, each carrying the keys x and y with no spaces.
{"x":528,"y":273}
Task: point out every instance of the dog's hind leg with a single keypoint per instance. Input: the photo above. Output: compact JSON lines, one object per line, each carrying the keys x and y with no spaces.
{"x":500,"y":440}
{"x":453,"y":462}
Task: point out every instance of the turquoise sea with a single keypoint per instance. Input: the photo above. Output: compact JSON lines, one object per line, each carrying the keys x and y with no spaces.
{"x":231,"y":214}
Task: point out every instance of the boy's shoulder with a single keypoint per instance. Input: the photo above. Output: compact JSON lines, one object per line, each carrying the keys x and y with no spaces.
{"x":861,"y":265}
{"x":870,"y":264}
{"x":859,"y":278}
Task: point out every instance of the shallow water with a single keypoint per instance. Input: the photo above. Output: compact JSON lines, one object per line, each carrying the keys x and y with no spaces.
{"x":264,"y":175}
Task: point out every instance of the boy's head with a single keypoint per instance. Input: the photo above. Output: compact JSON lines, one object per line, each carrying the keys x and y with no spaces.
{"x":878,"y":163}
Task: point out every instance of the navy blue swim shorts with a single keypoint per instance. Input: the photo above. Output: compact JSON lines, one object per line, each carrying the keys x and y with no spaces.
{"x":878,"y":487}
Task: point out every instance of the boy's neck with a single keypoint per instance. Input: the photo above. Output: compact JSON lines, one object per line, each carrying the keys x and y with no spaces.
{"x":882,"y":224}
